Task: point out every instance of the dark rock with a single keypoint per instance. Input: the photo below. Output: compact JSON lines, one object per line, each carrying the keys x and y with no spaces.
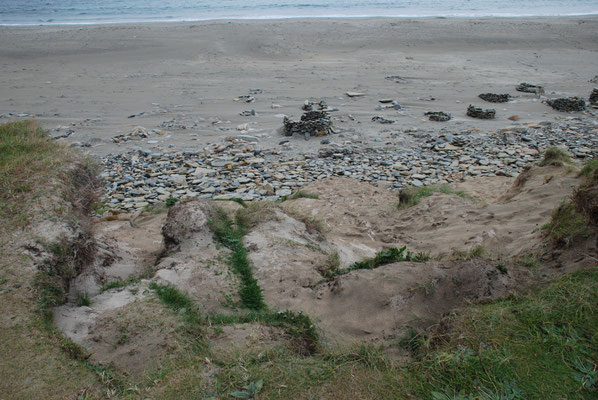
{"x":396,"y":79}
{"x":478,"y":112}
{"x":439,"y":116}
{"x":495,"y":98}
{"x":567,"y":104}
{"x":382,"y":120}
{"x":594,"y":97}
{"x":530,"y":88}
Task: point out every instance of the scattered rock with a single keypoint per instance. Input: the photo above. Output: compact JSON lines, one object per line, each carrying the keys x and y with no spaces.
{"x":439,"y":116}
{"x":567,"y":104}
{"x":355,"y":94}
{"x":309,"y":105}
{"x":478,"y":112}
{"x":530,"y":88}
{"x":495,"y":98}
{"x":594,"y":97}
{"x":136,"y":115}
{"x":237,"y":168}
{"x":396,"y":79}
{"x":382,"y":120}
{"x":245,"y":98}
{"x":514,"y":117}
{"x":248,"y":113}
{"x":248,"y":138}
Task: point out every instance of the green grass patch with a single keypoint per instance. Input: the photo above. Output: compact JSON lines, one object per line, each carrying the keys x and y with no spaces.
{"x":566,"y":225}
{"x":411,"y":196}
{"x":539,"y":346}
{"x":231,"y":234}
{"x":180,"y":302}
{"x":388,"y":256}
{"x":121,"y":283}
{"x":555,"y":156}
{"x":83,"y":300}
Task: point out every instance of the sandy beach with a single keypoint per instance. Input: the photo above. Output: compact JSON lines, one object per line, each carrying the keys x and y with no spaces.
{"x":182,"y":79}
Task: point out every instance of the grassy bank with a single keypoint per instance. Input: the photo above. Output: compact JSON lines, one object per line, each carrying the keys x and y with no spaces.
{"x":36,"y":362}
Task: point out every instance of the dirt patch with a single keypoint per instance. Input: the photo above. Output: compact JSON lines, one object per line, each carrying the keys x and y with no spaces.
{"x":242,"y":337}
{"x":135,"y":338}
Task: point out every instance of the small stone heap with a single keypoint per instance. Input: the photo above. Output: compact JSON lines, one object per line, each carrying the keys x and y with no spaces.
{"x":530,"y":88}
{"x":310,"y":105}
{"x":439,"y":116}
{"x":567,"y":104}
{"x":313,"y":123}
{"x":495,"y":98}
{"x":478,"y":112}
{"x":594,"y":97}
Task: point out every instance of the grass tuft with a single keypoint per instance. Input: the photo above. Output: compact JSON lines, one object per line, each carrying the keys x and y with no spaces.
{"x":388,"y":256}
{"x":555,"y":156}
{"x":465,"y":255}
{"x":566,"y":225}
{"x":589,"y":169}
{"x":411,"y":196}
{"x":83,"y":300}
{"x":299,"y":194}
{"x":180,"y":302}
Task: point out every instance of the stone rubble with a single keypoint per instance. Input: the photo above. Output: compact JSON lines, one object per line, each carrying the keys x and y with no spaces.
{"x":530,"y":88}
{"x":240,"y":168}
{"x":495,"y":98}
{"x":567,"y":104}
{"x":438,"y":116}
{"x":478,"y":112}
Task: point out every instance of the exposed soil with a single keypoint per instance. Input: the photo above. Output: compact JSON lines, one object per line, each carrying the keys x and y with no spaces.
{"x":291,"y":243}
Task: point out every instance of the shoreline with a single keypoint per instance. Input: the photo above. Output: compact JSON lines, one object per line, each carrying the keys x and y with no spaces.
{"x":295,"y":18}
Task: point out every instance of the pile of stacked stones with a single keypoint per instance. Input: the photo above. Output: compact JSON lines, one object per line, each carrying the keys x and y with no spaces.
{"x":239,"y":169}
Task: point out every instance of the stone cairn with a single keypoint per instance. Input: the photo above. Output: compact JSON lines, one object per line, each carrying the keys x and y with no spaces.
{"x":312,"y":123}
{"x":478,"y":112}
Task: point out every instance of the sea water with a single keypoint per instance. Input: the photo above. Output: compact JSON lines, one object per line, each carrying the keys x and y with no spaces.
{"x":34,"y":12}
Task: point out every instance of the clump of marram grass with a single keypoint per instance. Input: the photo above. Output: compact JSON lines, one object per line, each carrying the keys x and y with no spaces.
{"x":331,"y":268}
{"x":29,"y":159}
{"x":255,"y":213}
{"x":590,"y":169}
{"x":313,"y":225}
{"x":585,"y":196}
{"x":411,"y":196}
{"x":300,"y":194}
{"x":566,"y":226}
{"x":555,"y":156}
{"x":465,"y":255}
